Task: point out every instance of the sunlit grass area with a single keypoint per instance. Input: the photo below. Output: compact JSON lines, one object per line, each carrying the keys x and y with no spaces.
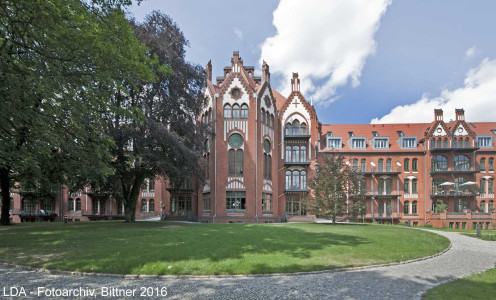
{"x":479,"y":286}
{"x":487,"y":235}
{"x":179,"y":248}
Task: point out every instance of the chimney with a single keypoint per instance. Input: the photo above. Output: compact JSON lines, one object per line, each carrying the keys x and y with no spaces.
{"x":208,"y":69}
{"x":438,"y":114}
{"x":460,"y":114}
{"x":265,"y":72}
{"x":295,"y":83}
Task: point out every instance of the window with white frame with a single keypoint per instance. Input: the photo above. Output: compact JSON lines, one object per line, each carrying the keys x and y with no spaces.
{"x":334,"y":142}
{"x":357,"y":143}
{"x":484,"y":141}
{"x":408,"y":142}
{"x":381,"y":143}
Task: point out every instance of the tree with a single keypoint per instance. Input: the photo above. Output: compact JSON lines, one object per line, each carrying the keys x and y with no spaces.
{"x":333,"y":183}
{"x":163,"y":137}
{"x":359,"y":209}
{"x":60,"y":60}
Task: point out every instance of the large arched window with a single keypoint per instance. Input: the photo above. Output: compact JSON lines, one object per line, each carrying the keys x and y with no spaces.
{"x":236,"y":162}
{"x":288,"y":129}
{"x":288,"y":180}
{"x":296,"y":154}
{"x":439,"y":163}
{"x":235,"y":111}
{"x":244,"y":111}
{"x":296,"y":127}
{"x":303,"y":154}
{"x":288,"y":153}
{"x":227,"y":111}
{"x":296,"y":180}
{"x":303,"y":129}
{"x":462,"y":163}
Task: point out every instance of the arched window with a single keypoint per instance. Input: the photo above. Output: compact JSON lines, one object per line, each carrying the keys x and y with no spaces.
{"x":143,"y":205}
{"x":406,"y":208}
{"x":239,"y":162}
{"x":296,"y":127}
{"x":288,"y":180}
{"x":151,"y":205}
{"x":483,"y":206}
{"x":232,"y":161}
{"x":482,"y":185}
{"x":467,"y":143}
{"x":71,"y":204}
{"x":462,"y":163}
{"x":445,"y":143}
{"x":296,"y":154}
{"x":262,"y":115}
{"x":227,"y":111}
{"x":380,"y":186}
{"x":414,"y":186}
{"x":235,"y":111}
{"x":388,"y":165}
{"x":272,"y":121}
{"x":244,"y":111}
{"x":414,"y":165}
{"x":303,"y":128}
{"x":490,"y":164}
{"x":267,"y":118}
{"x":388,"y":186}
{"x":439,"y":163}
{"x":303,"y":154}
{"x":406,"y":164}
{"x":439,"y":141}
{"x":78,"y":204}
{"x":11,"y":204}
{"x":288,"y":154}
{"x":406,"y":186}
{"x":490,"y":185}
{"x":414,"y":207}
{"x":490,"y":206}
{"x":433,"y":143}
{"x":355,"y":164}
{"x":363,"y":165}
{"x":296,"y":180}
{"x":381,"y":165}
{"x":303,"y":180}
{"x":460,"y":143}
{"x":288,"y":129}
{"x":483,"y":164}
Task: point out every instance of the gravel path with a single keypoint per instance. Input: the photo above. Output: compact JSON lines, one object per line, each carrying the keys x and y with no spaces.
{"x":407,"y":281}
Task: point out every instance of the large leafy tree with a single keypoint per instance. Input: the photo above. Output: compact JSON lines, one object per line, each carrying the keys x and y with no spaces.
{"x":60,"y":60}
{"x":334,"y":183}
{"x":163,"y":137}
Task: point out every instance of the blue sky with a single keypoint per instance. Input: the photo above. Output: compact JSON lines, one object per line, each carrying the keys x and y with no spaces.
{"x":360,"y":61}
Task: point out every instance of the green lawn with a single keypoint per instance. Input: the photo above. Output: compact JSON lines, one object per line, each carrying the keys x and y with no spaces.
{"x":479,"y":286}
{"x":178,"y":248}
{"x":487,"y":235}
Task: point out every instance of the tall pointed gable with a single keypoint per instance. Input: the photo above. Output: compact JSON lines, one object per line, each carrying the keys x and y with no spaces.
{"x":297,"y":99}
{"x":461,"y":127}
{"x":210,"y":87}
{"x":265,"y":89}
{"x":438,"y":127}
{"x":238,"y":71}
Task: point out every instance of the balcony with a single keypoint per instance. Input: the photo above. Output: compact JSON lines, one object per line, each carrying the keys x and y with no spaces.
{"x":453,"y":193}
{"x":297,"y":136}
{"x":377,"y":194}
{"x":296,"y":163}
{"x":295,"y":190}
{"x":490,"y":195}
{"x":453,"y":171}
{"x":381,"y":171}
{"x":455,"y":149}
{"x":147,"y":194}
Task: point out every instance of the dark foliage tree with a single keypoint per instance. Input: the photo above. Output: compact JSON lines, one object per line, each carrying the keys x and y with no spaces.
{"x":334,"y":183}
{"x":60,"y":60}
{"x":163,"y":137}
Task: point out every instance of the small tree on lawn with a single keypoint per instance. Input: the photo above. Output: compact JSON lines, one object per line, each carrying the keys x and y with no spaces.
{"x":359,"y":209}
{"x":331,"y":185}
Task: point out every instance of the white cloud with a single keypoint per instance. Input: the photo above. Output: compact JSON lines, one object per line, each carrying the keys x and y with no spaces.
{"x":477,"y":96}
{"x":238,"y":33}
{"x":470,"y":52}
{"x":326,"y":42}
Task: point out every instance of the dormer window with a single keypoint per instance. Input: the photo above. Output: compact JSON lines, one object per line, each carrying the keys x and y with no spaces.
{"x":351,"y":133}
{"x":334,"y":142}
{"x":357,"y":143}
{"x":380,"y":142}
{"x":400,"y":133}
{"x":493,"y":131}
{"x":408,"y":142}
{"x":485,"y":141}
{"x":329,"y":133}
{"x":374,"y":133}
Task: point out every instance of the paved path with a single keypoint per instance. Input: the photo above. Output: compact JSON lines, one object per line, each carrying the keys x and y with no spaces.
{"x":407,"y":281}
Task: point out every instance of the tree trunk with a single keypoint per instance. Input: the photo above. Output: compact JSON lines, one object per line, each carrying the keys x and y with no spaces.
{"x":130,"y":210}
{"x":131,"y":198}
{"x":5,"y":186}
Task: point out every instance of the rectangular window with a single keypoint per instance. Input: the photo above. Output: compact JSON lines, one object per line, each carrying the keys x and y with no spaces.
{"x":382,"y":143}
{"x":235,"y":200}
{"x":288,"y":205}
{"x":334,"y":143}
{"x":266,"y":202}
{"x":206,"y":201}
{"x":484,"y":141}
{"x":358,"y":143}
{"x":409,"y":142}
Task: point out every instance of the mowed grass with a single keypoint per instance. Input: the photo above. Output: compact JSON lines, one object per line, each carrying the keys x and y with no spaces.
{"x":487,"y":235}
{"x":202,"y":249}
{"x":479,"y":286}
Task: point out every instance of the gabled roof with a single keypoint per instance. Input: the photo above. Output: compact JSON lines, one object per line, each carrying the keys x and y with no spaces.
{"x":280,"y":99}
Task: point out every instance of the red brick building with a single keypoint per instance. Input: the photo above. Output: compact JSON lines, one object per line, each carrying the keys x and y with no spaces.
{"x":266,"y":148}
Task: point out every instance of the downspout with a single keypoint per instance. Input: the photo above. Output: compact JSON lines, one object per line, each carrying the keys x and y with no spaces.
{"x":86,"y":198}
{"x":256,"y":156}
{"x":215,"y":158}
